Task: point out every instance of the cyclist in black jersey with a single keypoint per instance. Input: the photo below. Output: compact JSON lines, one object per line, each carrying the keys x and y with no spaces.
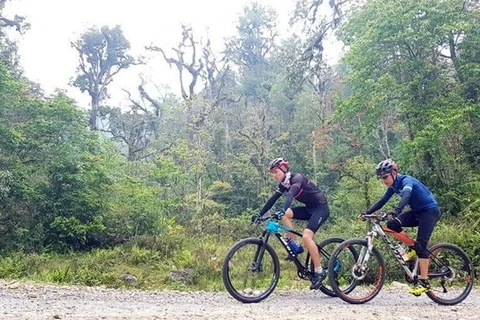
{"x":424,"y":213}
{"x":295,"y":186}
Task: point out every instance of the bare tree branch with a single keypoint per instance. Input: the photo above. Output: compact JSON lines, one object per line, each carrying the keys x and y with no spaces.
{"x":135,"y":103}
{"x":194,"y":67}
{"x":144,"y":94}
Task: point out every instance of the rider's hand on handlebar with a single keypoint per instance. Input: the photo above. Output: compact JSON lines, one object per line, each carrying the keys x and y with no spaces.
{"x":361,"y":216}
{"x":256,"y":218}
{"x":278,"y":215}
{"x":391,"y":215}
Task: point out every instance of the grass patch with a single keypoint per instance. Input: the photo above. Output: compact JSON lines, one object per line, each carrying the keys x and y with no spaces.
{"x":184,"y":261}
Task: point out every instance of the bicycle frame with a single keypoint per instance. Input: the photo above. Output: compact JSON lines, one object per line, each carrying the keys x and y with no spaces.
{"x":275,"y":228}
{"x":383,"y":232}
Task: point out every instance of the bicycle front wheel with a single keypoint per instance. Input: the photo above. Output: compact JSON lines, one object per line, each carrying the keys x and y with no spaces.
{"x":360,"y":278}
{"x":251,"y":270}
{"x":450,"y":274}
{"x":325,"y":249}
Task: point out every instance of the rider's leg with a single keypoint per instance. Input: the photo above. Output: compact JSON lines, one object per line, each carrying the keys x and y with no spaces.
{"x":395,"y":224}
{"x":287,"y":221}
{"x":297,"y":213}
{"x":319,"y":216}
{"x":423,"y":264}
{"x":312,"y":248}
{"x":427,"y":221}
{"x":405,"y":219}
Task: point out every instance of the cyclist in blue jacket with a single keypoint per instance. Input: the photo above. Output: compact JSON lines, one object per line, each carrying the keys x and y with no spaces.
{"x":295,"y":186}
{"x":424,"y":213}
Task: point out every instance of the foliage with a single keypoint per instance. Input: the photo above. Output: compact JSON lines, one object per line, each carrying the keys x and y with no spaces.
{"x":357,"y":191}
{"x":168,"y":184}
{"x":406,"y":87}
{"x":102,"y":54}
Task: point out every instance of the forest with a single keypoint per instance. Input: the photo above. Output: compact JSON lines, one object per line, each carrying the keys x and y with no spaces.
{"x":163,"y":188}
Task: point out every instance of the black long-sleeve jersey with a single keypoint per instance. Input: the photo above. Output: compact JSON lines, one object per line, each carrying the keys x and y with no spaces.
{"x":298,"y":187}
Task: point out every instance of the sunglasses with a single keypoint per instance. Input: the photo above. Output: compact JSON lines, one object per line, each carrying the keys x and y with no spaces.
{"x":385,"y":177}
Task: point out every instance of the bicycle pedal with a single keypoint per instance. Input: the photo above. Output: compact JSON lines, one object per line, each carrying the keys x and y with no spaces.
{"x":317,"y":288}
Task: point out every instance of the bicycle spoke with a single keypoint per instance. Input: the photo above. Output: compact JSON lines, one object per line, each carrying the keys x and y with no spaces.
{"x":250,"y":272}
{"x":366,"y":275}
{"x":326,"y":248}
{"x":450,"y":275}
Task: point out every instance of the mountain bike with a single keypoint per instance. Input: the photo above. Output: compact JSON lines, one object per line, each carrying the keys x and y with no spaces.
{"x":251,"y":268}
{"x":450,"y":274}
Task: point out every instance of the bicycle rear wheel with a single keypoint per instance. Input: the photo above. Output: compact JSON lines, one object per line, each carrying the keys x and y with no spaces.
{"x":325,"y":249}
{"x":360,"y":278}
{"x":251,"y":270}
{"x":450,"y":274}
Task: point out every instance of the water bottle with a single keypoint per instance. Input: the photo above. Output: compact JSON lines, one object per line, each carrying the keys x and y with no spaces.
{"x":295,"y":246}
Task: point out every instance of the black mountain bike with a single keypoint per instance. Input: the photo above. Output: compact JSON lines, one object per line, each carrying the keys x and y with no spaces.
{"x":450,"y":272}
{"x":251,"y":269}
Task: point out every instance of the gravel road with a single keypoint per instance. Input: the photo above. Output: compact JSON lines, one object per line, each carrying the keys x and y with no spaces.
{"x":34,"y":301}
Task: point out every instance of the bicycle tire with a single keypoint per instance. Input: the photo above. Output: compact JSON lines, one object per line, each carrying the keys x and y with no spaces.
{"x":325,"y":255}
{"x":449,"y":267}
{"x":245,"y":263}
{"x":368,"y":282}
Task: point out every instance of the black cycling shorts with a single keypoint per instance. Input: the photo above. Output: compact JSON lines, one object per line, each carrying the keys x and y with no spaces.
{"x":425,"y":220}
{"x":316,"y":216}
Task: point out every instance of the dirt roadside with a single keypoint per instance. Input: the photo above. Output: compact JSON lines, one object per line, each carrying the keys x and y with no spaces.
{"x":34,"y":301}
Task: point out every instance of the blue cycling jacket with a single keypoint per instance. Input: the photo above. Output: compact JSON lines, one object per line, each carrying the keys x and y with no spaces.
{"x":413,"y":193}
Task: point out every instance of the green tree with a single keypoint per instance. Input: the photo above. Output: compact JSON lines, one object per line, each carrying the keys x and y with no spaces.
{"x":251,"y":48}
{"x":102,"y":54}
{"x":404,"y":76}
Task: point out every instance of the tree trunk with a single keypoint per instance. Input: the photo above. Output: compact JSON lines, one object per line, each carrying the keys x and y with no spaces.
{"x":453,"y":56}
{"x":93,"y":113}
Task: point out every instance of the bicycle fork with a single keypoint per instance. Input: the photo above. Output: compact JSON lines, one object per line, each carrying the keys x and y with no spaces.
{"x":256,"y":265}
{"x":360,"y":269}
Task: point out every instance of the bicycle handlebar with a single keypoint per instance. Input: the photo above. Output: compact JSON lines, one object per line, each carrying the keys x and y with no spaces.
{"x":382,"y":216}
{"x":265,"y":218}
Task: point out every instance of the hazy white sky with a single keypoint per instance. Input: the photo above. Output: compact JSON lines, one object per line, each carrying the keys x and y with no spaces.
{"x":48,"y":58}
